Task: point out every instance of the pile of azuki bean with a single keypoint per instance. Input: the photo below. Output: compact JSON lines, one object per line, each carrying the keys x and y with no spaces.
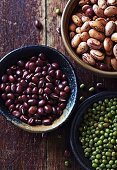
{"x":93,"y":33}
{"x":35,"y":91}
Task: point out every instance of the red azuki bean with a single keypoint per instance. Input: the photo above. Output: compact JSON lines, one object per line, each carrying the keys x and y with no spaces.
{"x":42,"y":56}
{"x":16,"y":113}
{"x":58,"y":74}
{"x":38,"y":121}
{"x":4,"y":78}
{"x":4,"y":96}
{"x":65,"y":83}
{"x":31,"y":121}
{"x":49,"y":85}
{"x":29,"y":77}
{"x":63,"y":94}
{"x":24,"y":98}
{"x":41,"y":83}
{"x":38,"y":69}
{"x":49,"y":78}
{"x":47,"y":90}
{"x":55,"y":66}
{"x":29,"y":90}
{"x":8,"y":89}
{"x":25,"y":74}
{"x":35,"y":90}
{"x":45,"y":68}
{"x":50,"y":102}
{"x":40,"y":91}
{"x":44,"y":73}
{"x":20,"y":99}
{"x":9,"y":71}
{"x":61,"y":86}
{"x":31,"y":84}
{"x":19,"y":73}
{"x":24,"y":118}
{"x":54,"y":111}
{"x":32,"y":102}
{"x":46,"y":122}
{"x":10,"y":96}
{"x":54,"y":96}
{"x":24,"y":83}
{"x":12,"y":107}
{"x":51,"y":73}
{"x":35,"y":79}
{"x":40,"y":111}
{"x":19,"y":89}
{"x":32,"y":66}
{"x":56,"y":90}
{"x":45,"y":96}
{"x":33,"y":58}
{"x":34,"y":96}
{"x":20,"y":63}
{"x":32,"y":110}
{"x":62,"y":99}
{"x":40,"y":62}
{"x":2,"y":86}
{"x":64,"y":77}
{"x":48,"y":109}
{"x":13,"y":88}
{"x":62,"y":106}
{"x":67,"y":89}
{"x":59,"y":111}
{"x":41,"y":103}
{"x":25,"y":105}
{"x":11,"y":78}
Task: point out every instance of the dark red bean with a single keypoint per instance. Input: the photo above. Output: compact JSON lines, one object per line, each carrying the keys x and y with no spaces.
{"x":40,"y":111}
{"x":13,"y":88}
{"x":40,"y":91}
{"x":62,"y":106}
{"x":55,"y":66}
{"x":41,"y":103}
{"x":9,"y":71}
{"x":12,"y":107}
{"x":2,"y":86}
{"x":64,"y":77}
{"x":103,"y":66}
{"x":20,"y":99}
{"x":44,"y":73}
{"x":41,"y":83}
{"x":29,"y":77}
{"x":23,"y":83}
{"x":32,"y":102}
{"x":42,"y":56}
{"x":4,"y":96}
{"x":67,"y":89}
{"x":65,"y":83}
{"x":20,"y":63}
{"x":31,"y":121}
{"x":25,"y":74}
{"x":11,"y":79}
{"x":17,"y":106}
{"x":35,"y":79}
{"x":32,"y":110}
{"x":46,"y":122}
{"x":61,"y":86}
{"x":56,"y":90}
{"x":54,"y":110}
{"x":31,"y":84}
{"x":45,"y":96}
{"x":45,"y":68}
{"x":57,"y":82}
{"x":48,"y":109}
{"x":16,"y":113}
{"x":25,"y":106}
{"x":59,"y":110}
{"x":62,"y":99}
{"x":32,"y":66}
{"x":49,"y":67}
{"x":38,"y":25}
{"x":34,"y":58}
{"x":19,"y":73}
{"x":29,"y":90}
{"x":50,"y":102}
{"x":63,"y":94}
{"x":10,"y":96}
{"x":54,"y":96}
{"x":13,"y":68}
{"x":4,"y":78}
{"x":49,"y":78}
{"x":35,"y":90}
{"x":52,"y":73}
{"x":58,"y":74}
{"x":40,"y":62}
{"x":89,"y":12}
{"x":47,"y":90}
{"x":27,"y":64}
{"x":8,"y":89}
{"x":34,"y":96}
{"x":49,"y":85}
{"x":19,"y":89}
{"x":38,"y":121}
{"x":24,"y":118}
{"x":38,"y":69}
{"x":24,"y":98}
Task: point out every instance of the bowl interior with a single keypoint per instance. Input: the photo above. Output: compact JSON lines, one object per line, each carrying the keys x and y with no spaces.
{"x":53,"y":56}
{"x":74,"y":134}
{"x":69,"y":9}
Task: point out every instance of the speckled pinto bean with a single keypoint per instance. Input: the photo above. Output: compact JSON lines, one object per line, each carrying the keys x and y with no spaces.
{"x":35,"y":91}
{"x":93,"y":33}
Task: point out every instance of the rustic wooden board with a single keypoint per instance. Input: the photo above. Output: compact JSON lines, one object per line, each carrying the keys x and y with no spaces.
{"x":20,"y":150}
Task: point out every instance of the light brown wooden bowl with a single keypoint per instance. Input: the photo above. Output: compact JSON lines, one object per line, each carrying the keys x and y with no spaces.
{"x":66,"y":16}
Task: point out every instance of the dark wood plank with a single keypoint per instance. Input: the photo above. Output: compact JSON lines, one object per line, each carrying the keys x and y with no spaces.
{"x":19,"y":149}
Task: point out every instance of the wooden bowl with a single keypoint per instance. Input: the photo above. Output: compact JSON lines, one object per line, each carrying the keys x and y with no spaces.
{"x":66,"y":17}
{"x":53,"y":55}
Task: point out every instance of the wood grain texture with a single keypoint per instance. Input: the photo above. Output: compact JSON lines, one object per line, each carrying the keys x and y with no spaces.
{"x":20,"y":150}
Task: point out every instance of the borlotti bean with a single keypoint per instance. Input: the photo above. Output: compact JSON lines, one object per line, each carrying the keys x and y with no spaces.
{"x":93,"y":33}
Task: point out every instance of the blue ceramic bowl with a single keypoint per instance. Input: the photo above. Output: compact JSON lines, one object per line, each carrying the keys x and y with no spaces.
{"x":53,"y":55}
{"x":74,"y":134}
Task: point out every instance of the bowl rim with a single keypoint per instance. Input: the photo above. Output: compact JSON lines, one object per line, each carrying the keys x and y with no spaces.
{"x":71,"y":52}
{"x":23,"y":125}
{"x":75,"y":123}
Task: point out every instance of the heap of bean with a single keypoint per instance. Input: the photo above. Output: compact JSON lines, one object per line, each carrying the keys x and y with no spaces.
{"x":93,"y":33}
{"x":35,"y":91}
{"x":98,"y":134}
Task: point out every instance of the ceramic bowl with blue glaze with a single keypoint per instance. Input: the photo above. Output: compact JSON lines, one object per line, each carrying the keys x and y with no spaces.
{"x":53,"y":55}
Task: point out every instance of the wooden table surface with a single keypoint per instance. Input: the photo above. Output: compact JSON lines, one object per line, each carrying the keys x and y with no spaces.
{"x":20,"y":150}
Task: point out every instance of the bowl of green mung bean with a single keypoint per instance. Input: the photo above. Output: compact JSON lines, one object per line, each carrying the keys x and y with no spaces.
{"x":93,"y":135}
